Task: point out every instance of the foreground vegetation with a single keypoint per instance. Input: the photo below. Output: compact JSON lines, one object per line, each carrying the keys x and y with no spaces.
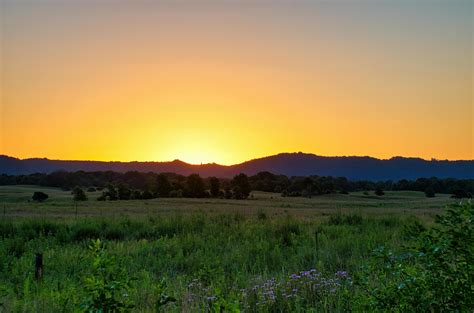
{"x":276,"y":255}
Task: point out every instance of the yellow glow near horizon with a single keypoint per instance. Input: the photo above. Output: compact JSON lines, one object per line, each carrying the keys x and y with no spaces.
{"x":226,"y":83}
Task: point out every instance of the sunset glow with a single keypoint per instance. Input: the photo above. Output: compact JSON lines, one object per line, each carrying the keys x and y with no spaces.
{"x":209,"y":81}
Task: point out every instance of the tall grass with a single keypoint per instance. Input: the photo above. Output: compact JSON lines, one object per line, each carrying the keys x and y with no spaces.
{"x":224,"y":253}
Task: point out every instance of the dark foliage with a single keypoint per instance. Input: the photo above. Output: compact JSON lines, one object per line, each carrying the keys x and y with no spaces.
{"x":39,"y":196}
{"x":215,"y":187}
{"x":195,"y":187}
{"x":241,"y":186}
{"x":78,"y":194}
{"x":121,"y":185}
{"x":379,"y":192}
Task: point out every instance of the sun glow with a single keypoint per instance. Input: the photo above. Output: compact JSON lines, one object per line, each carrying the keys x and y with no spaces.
{"x":224,"y":83}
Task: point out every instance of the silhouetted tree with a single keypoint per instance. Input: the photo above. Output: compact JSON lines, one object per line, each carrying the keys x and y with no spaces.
{"x":215,"y":186}
{"x":39,"y":196}
{"x":429,"y":192}
{"x":195,"y":186}
{"x":241,"y":186}
{"x":460,"y":193}
{"x":163,"y":186}
{"x":78,"y":194}
{"x":228,"y":193}
{"x":110,"y":193}
{"x":146,"y":195}
{"x":123,"y":191}
{"x":379,"y":192}
{"x":135,"y":194}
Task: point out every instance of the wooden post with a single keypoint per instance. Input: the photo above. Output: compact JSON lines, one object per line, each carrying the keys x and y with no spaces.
{"x":316,"y":233}
{"x":39,"y":266}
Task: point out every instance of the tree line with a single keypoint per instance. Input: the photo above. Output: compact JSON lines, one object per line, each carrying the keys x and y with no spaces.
{"x":138,"y":185}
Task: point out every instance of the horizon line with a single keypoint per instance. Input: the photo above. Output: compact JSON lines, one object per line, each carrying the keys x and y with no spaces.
{"x":256,"y":158}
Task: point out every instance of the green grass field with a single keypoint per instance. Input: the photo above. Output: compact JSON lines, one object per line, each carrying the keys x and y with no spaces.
{"x":210,"y":252}
{"x":16,"y":201}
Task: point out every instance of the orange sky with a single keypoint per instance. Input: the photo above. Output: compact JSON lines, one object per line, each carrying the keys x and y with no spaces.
{"x":205,"y":81}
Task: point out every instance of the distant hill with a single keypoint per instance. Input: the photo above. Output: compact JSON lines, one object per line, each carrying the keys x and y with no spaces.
{"x":290,"y":164}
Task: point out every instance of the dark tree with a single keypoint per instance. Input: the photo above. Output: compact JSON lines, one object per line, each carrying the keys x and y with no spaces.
{"x":429,"y":192}
{"x":135,"y":194}
{"x":379,"y":192}
{"x":195,"y":186}
{"x":91,"y":189}
{"x":460,"y":193}
{"x":39,"y":196}
{"x":123,"y":192}
{"x":163,"y":186}
{"x":146,"y":195}
{"x":241,"y":186}
{"x":110,"y":192}
{"x":228,"y":193}
{"x":78,"y":194}
{"x":215,"y":187}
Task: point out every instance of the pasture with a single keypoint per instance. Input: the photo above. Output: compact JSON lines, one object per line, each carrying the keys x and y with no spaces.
{"x":190,"y":255}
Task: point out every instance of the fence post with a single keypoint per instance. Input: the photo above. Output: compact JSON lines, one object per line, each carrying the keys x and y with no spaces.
{"x":39,"y":266}
{"x":316,"y":233}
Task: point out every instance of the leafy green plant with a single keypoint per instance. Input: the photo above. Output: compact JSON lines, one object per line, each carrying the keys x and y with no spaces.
{"x":107,"y":288}
{"x":218,"y":303}
{"x":163,"y":297}
{"x":436,"y":273}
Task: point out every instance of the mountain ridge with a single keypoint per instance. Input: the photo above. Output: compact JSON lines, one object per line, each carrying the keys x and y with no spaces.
{"x":289,"y":164}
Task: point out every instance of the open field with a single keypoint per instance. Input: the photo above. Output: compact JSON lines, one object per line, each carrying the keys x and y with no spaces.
{"x":214,"y":255}
{"x":16,"y":203}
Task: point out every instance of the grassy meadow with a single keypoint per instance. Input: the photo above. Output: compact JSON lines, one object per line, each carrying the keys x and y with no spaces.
{"x":198,"y":255}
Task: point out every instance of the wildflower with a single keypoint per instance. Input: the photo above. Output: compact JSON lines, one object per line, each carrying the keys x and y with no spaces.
{"x":342,"y":274}
{"x":211,"y":298}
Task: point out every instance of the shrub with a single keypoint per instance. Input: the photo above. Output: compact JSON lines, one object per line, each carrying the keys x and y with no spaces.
{"x":429,"y":193}
{"x":460,"y":193}
{"x":39,"y":196}
{"x":379,"y":192}
{"x":146,"y":195}
{"x":79,"y":194}
{"x":433,"y":275}
{"x":108,"y":286}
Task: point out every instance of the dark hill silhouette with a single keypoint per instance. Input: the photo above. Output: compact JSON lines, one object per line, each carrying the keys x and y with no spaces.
{"x":290,"y":164}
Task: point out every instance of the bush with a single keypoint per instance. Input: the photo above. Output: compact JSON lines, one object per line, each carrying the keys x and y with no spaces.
{"x":39,"y":196}
{"x":146,"y":195}
{"x":379,"y":192}
{"x":460,"y":193}
{"x":79,"y":194}
{"x":107,"y":288}
{"x":429,"y":193}
{"x":435,"y":274}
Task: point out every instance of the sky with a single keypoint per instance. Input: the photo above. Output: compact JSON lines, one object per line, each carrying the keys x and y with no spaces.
{"x":227,"y":81}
